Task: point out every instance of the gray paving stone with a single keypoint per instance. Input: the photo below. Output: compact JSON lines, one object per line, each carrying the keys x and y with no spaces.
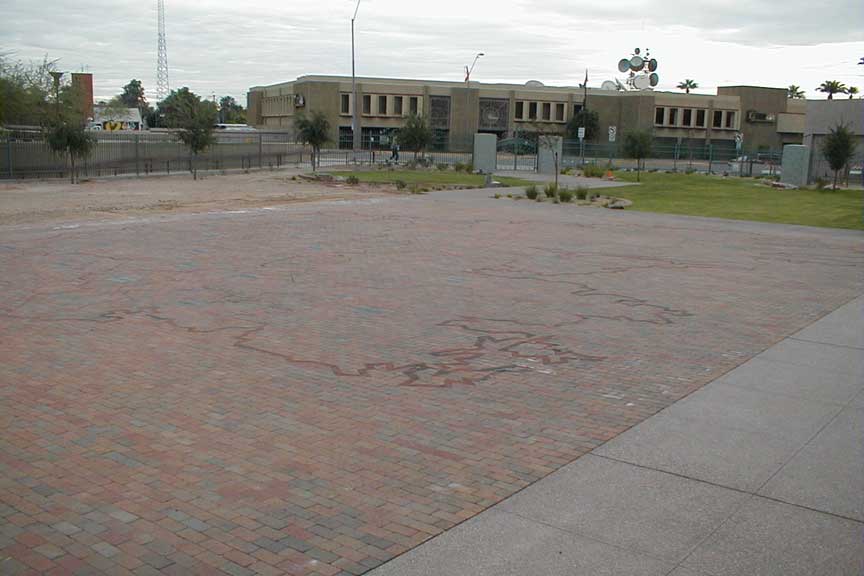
{"x":792,"y":380}
{"x":836,"y":328}
{"x":828,"y":474}
{"x":500,"y":544}
{"x":774,"y":539}
{"x":746,"y":409}
{"x":627,"y":506}
{"x":820,"y":356}
{"x":734,"y":457}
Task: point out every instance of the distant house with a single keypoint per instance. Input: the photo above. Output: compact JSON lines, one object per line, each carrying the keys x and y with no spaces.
{"x":114,"y":119}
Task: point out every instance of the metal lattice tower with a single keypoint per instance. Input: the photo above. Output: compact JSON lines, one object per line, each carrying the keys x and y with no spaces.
{"x":162,"y":88}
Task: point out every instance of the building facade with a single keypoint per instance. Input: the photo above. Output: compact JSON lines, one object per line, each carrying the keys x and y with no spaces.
{"x":456,"y":110}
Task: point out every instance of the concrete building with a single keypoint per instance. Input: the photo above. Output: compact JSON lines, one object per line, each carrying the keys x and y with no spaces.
{"x":822,"y":116}
{"x":456,"y":110}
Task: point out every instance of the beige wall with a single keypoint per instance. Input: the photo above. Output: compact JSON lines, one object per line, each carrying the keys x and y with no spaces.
{"x":273,"y":107}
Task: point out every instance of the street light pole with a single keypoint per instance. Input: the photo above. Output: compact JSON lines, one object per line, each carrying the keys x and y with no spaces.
{"x":356,"y":142}
{"x":468,"y":72}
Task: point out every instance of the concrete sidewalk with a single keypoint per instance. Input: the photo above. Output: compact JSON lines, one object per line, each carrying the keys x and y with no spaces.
{"x":760,"y":472}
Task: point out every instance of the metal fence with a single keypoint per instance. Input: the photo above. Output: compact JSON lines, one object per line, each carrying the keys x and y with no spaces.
{"x":27,"y":155}
{"x":680,"y":158}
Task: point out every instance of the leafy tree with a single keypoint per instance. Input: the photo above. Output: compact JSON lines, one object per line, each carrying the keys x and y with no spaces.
{"x":194,"y":119}
{"x":25,"y":91}
{"x":588,"y":119}
{"x":637,"y":145}
{"x":794,"y":92}
{"x":838,"y":148}
{"x":133,"y":95}
{"x":851,"y":91}
{"x":688,"y":85}
{"x":831,"y":87}
{"x":69,"y":139}
{"x":230,"y":112}
{"x":315,"y":131}
{"x":415,"y":135}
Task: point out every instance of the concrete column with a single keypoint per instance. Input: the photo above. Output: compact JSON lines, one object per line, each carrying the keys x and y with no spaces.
{"x":796,"y":165}
{"x":485,"y":153}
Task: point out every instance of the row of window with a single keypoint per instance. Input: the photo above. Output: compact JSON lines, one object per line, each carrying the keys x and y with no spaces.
{"x":543,"y":111}
{"x":382,"y":105}
{"x":694,"y":118}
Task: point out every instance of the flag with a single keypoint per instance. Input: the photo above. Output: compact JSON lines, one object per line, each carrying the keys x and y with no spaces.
{"x":585,"y":84}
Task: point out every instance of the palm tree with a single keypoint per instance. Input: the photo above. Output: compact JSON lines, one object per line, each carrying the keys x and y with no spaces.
{"x":315,"y":131}
{"x":831,"y":87}
{"x":794,"y":92}
{"x":851,"y":91}
{"x":688,"y":85}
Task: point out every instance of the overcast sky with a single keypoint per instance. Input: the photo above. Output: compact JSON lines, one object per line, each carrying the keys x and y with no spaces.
{"x":224,"y":47}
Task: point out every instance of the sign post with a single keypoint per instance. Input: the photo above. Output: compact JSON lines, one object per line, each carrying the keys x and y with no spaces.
{"x":582,"y":143}
{"x":739,"y":145}
{"x":613,"y":135}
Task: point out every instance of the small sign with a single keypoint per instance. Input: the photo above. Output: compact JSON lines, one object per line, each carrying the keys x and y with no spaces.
{"x":739,"y":141}
{"x":581,"y":133}
{"x":613,"y":133}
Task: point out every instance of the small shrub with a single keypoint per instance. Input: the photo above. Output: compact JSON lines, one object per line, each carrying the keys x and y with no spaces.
{"x":593,"y":171}
{"x":415,"y":188}
{"x":400,"y":184}
{"x":581,"y":193}
{"x":549,"y":190}
{"x":442,"y":167}
{"x":821,"y":183}
{"x":566,"y":171}
{"x":509,"y":196}
{"x":565,"y":195}
{"x":458,"y":166}
{"x":496,"y":196}
{"x":353,"y":180}
{"x":411,"y":165}
{"x":469,"y":168}
{"x":531,"y":192}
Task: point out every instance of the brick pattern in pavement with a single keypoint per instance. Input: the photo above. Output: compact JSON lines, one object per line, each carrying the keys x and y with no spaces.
{"x":318,"y":389}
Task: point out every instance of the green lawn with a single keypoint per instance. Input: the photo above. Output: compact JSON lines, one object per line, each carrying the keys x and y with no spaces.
{"x":742,"y":199}
{"x":429,"y":178}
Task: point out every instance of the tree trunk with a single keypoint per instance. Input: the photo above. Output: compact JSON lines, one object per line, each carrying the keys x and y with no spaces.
{"x":638,"y":170}
{"x":555,"y":155}
{"x":835,"y":179}
{"x":72,"y":167}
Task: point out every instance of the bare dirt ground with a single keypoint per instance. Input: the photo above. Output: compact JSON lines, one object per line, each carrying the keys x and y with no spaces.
{"x":47,"y":201}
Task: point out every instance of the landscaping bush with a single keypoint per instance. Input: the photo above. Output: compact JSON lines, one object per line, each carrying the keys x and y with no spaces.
{"x":531,"y":192}
{"x":821,"y":183}
{"x":411,"y":165}
{"x":469,"y":168}
{"x":400,"y":184}
{"x":459,"y":167}
{"x":442,"y":167}
{"x":565,"y":195}
{"x":593,"y":171}
{"x":581,"y":193}
{"x":549,"y":190}
{"x":353,"y":180}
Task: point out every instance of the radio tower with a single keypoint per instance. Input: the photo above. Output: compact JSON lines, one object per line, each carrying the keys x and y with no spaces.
{"x":162,"y":88}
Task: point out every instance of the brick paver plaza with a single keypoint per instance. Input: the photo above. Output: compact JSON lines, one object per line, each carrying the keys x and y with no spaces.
{"x":317,"y":389}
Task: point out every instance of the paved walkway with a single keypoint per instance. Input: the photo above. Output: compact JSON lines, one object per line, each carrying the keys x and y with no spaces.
{"x":760,"y":472}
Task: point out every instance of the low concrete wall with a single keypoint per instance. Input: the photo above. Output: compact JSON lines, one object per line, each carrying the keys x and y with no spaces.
{"x":485,"y":153}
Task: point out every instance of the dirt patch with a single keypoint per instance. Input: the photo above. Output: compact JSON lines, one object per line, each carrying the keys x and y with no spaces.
{"x":44,"y":201}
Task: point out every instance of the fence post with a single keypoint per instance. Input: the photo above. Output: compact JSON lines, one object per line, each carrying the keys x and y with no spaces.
{"x":9,"y":154}
{"x":260,"y":150}
{"x":710,"y":157}
{"x":137,"y":167}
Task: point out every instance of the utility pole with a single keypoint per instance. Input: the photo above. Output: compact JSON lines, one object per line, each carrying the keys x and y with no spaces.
{"x":356,"y":143}
{"x":162,"y":87}
{"x":468,"y":72}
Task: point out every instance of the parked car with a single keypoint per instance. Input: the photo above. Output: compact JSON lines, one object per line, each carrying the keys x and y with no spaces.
{"x":520,"y":145}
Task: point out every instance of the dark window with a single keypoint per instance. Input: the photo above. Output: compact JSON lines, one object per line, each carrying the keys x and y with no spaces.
{"x":382,"y":105}
{"x":346,"y":104}
{"x":718,"y":119}
{"x":730,"y":119}
{"x":673,"y":117}
{"x":577,"y":108}
{"x":700,"y":118}
{"x":367,"y":104}
{"x":559,"y":112}
{"x":520,"y":110}
{"x":547,"y":111}
{"x":412,"y":105}
{"x":397,"y":105}
{"x":688,"y":117}
{"x":659,"y":115}
{"x":532,"y":110}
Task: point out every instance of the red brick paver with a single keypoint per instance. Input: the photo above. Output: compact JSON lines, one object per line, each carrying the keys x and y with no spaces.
{"x":318,"y":389}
